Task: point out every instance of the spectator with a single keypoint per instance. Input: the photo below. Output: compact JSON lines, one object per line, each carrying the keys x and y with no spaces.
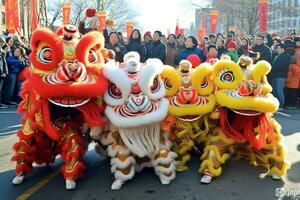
{"x":244,"y":49}
{"x":115,"y":45}
{"x":163,"y":39}
{"x":157,"y":49}
{"x":220,"y":36}
{"x":264,"y":51}
{"x":3,"y":69}
{"x":212,"y":39}
{"x":276,"y":41}
{"x":297,"y":41}
{"x":180,"y":42}
{"x":191,"y":47}
{"x":172,"y":50}
{"x":231,"y":51}
{"x":122,"y":38}
{"x":279,"y":73}
{"x":212,"y":53}
{"x":293,"y":83}
{"x":220,"y":47}
{"x":147,"y":41}
{"x":15,"y":64}
{"x":10,"y":43}
{"x":135,"y":44}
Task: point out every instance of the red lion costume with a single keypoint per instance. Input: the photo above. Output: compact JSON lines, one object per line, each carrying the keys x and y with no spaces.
{"x":62,"y":99}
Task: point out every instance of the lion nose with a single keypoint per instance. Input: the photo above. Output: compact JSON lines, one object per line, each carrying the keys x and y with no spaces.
{"x":249,"y":88}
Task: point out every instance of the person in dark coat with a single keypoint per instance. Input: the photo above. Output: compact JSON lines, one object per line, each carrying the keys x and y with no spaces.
{"x":279,"y":73}
{"x":135,"y":44}
{"x":191,"y":47}
{"x":221,"y":47}
{"x":115,"y":45}
{"x":264,"y":51}
{"x":157,"y":49}
{"x":15,"y":63}
{"x":3,"y":68}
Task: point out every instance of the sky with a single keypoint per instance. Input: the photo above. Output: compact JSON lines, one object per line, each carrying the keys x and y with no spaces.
{"x":162,"y":14}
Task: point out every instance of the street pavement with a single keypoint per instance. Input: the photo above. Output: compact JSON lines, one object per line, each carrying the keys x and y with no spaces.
{"x":238,"y":181}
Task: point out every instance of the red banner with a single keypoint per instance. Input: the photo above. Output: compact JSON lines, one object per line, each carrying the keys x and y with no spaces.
{"x":34,"y":17}
{"x":213,"y":21}
{"x":129,"y":29}
{"x":263,"y":15}
{"x":12,"y":22}
{"x":201,"y":34}
{"x":181,"y":31}
{"x":102,"y":20}
{"x":66,"y":13}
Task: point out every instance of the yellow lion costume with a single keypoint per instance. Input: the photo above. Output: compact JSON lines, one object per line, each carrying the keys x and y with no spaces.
{"x":190,"y":93}
{"x":246,"y":126}
{"x":62,"y":98}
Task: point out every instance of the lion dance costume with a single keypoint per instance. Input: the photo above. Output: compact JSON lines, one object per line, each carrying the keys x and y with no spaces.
{"x":61,"y":101}
{"x":136,"y":105}
{"x":246,"y":126}
{"x":192,"y":102}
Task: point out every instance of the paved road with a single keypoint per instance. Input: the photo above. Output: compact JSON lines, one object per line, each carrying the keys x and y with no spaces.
{"x":239,"y":179}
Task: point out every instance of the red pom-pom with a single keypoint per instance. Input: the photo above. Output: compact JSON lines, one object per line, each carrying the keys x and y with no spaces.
{"x":90,"y":12}
{"x":194,"y":59}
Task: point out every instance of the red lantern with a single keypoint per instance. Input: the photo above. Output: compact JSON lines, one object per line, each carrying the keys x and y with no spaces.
{"x":90,"y":12}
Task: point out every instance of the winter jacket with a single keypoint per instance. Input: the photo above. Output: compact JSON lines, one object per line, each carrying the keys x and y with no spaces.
{"x":221,"y":51}
{"x":293,"y":77}
{"x":189,"y":51}
{"x":233,"y":55}
{"x":172,"y":53}
{"x":280,"y":66}
{"x":264,"y":51}
{"x":119,"y":54}
{"x":3,"y":63}
{"x":15,"y":65}
{"x":157,"y":50}
{"x":135,"y":45}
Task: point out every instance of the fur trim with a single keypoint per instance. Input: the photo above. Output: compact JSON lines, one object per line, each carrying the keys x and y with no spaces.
{"x":123,"y":177}
{"x":153,"y":68}
{"x":204,"y":71}
{"x":75,"y":173}
{"x":171,"y":77}
{"x":163,"y":161}
{"x":107,"y":139}
{"x":209,"y":165}
{"x":91,"y":41}
{"x":44,"y":35}
{"x":112,"y":150}
{"x":116,"y":163}
{"x":159,"y":170}
{"x":118,"y":77}
{"x":125,"y":122}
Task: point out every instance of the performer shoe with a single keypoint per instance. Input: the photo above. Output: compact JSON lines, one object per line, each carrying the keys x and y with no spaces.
{"x":276,"y":177}
{"x":70,"y":184}
{"x":117,"y":184}
{"x":165,"y":181}
{"x":206,"y":179}
{"x":18,"y":180}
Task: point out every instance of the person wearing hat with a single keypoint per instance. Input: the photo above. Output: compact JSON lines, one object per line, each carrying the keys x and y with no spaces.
{"x":3,"y":69}
{"x":279,"y":73}
{"x":264,"y":51}
{"x":232,"y":51}
{"x":147,"y":41}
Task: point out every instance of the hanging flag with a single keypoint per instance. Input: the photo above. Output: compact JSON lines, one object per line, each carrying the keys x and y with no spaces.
{"x":102,"y":20}
{"x":129,"y":28}
{"x":177,"y":27}
{"x":181,"y":31}
{"x":203,"y":25}
{"x":34,"y":17}
{"x":201,"y":34}
{"x":263,"y":15}
{"x":66,"y":12}
{"x":213,"y":20}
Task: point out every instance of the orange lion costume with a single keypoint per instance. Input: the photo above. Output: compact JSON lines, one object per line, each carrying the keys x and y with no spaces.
{"x":62,"y":101}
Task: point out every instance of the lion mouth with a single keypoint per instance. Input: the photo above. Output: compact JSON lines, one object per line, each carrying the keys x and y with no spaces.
{"x":69,"y":102}
{"x":246,"y":112}
{"x":190,"y":118}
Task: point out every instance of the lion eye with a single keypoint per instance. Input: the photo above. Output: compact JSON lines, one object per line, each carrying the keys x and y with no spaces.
{"x":227,"y":76}
{"x":204,"y":83}
{"x":45,"y":55}
{"x":114,"y":91}
{"x":155,"y":86}
{"x":93,"y":57}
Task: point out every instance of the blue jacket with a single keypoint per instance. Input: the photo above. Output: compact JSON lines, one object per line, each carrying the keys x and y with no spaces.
{"x":14,"y":65}
{"x":186,"y":52}
{"x":157,"y":50}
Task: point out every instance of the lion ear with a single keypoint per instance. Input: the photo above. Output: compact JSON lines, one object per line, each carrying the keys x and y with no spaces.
{"x":172,"y":80}
{"x":203,"y":73}
{"x":259,"y":73}
{"x":45,"y":38}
